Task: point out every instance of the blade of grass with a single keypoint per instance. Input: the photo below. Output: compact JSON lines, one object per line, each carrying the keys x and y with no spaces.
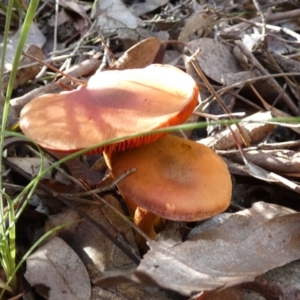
{"x":8,"y":250}
{"x":4,"y":248}
{"x":32,"y":248}
{"x":190,"y":126}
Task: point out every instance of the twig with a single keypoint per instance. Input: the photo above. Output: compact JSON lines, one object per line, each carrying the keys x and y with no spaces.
{"x":116,"y":240}
{"x":263,"y":19}
{"x":45,"y":64}
{"x":56,"y":25}
{"x":256,"y":64}
{"x":211,"y":89}
{"x":279,"y":29}
{"x":268,"y":18}
{"x":102,"y":189}
{"x":281,"y":145}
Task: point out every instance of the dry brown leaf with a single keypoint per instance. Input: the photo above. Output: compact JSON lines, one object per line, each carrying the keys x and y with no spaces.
{"x":76,"y":7}
{"x":62,"y":17}
{"x":139,"y":56}
{"x":278,"y":114}
{"x":233,"y":293}
{"x":255,"y":132}
{"x":199,"y":22}
{"x":113,"y":17}
{"x":278,"y":161}
{"x":31,"y":165}
{"x":258,"y":172}
{"x":129,"y":291}
{"x":274,"y":89}
{"x":281,"y":283}
{"x":57,"y":267}
{"x":26,"y":73}
{"x":35,"y":37}
{"x":97,"y":252}
{"x":142,"y":7}
{"x":248,"y":244}
{"x":80,"y":171}
{"x":214,"y":58}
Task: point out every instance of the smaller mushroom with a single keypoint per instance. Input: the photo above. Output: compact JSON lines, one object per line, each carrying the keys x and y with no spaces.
{"x":175,"y":179}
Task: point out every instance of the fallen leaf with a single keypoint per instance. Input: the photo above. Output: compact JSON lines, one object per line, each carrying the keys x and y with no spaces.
{"x":280,"y":283}
{"x":62,"y":17}
{"x":199,"y":22}
{"x":35,"y":37}
{"x":31,"y":165}
{"x":255,"y":130}
{"x":142,"y":7}
{"x":26,"y":73}
{"x":97,"y":252}
{"x":230,"y":256}
{"x":57,"y":267}
{"x":214,"y":58}
{"x":140,"y":55}
{"x":278,"y":160}
{"x":114,"y":17}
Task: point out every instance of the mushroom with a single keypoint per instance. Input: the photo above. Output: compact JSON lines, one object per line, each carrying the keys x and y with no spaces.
{"x":175,"y":178}
{"x":112,"y":104}
{"x":185,"y":180}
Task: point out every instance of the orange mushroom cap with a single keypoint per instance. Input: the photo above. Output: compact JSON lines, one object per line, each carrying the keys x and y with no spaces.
{"x":176,"y":179}
{"x":113,"y":104}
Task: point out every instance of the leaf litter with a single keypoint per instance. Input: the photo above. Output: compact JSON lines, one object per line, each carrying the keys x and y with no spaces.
{"x":245,"y":250}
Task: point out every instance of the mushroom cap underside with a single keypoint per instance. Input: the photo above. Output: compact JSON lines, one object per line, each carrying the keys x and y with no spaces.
{"x":113,"y":104}
{"x":175,"y":178}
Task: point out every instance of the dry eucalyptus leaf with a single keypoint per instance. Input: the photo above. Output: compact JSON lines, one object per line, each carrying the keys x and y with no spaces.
{"x":281,"y":283}
{"x":232,"y":255}
{"x":130,"y":291}
{"x":278,"y":160}
{"x":35,"y":37}
{"x":76,"y":7}
{"x":57,"y":267}
{"x":26,"y":73}
{"x":142,"y":7}
{"x":139,"y":56}
{"x":241,"y":169}
{"x":113,"y":15}
{"x":31,"y":165}
{"x":257,"y":172}
{"x":255,"y":131}
{"x":200,"y":23}
{"x":214,"y":58}
{"x":232,"y":293}
{"x":278,"y":114}
{"x":97,"y":252}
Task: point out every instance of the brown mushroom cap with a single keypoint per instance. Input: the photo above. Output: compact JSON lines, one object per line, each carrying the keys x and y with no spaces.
{"x":176,"y":179}
{"x":113,"y":104}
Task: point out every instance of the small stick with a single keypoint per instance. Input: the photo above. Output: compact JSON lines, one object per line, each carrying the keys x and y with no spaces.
{"x":102,"y":189}
{"x":72,"y":79}
{"x":263,"y":19}
{"x":218,"y":98}
{"x":116,"y":240}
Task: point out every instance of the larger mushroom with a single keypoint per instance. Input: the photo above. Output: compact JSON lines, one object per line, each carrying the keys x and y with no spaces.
{"x":113,"y":104}
{"x":175,"y":178}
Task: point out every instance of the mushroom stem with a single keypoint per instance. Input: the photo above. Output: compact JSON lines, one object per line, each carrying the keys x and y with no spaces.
{"x":142,"y":218}
{"x":146,"y":221}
